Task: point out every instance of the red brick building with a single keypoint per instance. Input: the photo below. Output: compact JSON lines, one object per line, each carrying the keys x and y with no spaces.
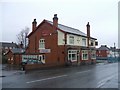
{"x":6,"y":46}
{"x":14,"y":56}
{"x":102,"y":52}
{"x":53,"y":44}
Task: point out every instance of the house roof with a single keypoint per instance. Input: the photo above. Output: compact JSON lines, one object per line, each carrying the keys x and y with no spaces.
{"x":7,"y":44}
{"x":65,"y":29}
{"x":70,"y":29}
{"x":17,"y":50}
{"x":103,"y":47}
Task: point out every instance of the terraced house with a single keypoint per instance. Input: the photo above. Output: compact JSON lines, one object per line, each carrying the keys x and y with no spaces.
{"x":53,"y":44}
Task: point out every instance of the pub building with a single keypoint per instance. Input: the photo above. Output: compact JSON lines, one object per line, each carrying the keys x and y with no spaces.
{"x":53,"y":44}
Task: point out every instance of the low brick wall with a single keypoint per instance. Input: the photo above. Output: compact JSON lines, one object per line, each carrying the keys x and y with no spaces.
{"x":43,"y":66}
{"x":40,"y":66}
{"x":87,"y":62}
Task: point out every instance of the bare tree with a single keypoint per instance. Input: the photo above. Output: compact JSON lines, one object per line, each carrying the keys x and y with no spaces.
{"x":22,"y":37}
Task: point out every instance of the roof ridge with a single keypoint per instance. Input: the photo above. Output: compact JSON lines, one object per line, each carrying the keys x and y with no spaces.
{"x":66,"y":26}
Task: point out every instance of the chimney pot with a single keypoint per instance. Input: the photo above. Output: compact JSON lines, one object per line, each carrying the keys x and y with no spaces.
{"x":88,"y":24}
{"x":34,"y":25}
{"x":34,"y":20}
{"x":55,"y":16}
{"x":55,"y":20}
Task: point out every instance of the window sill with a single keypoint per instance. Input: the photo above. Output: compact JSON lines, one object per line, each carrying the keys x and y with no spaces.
{"x":73,"y":60}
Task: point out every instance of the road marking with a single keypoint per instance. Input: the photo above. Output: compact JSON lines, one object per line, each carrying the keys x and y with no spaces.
{"x":102,"y":82}
{"x":54,"y":77}
{"x":46,"y":79}
{"x":83,"y":71}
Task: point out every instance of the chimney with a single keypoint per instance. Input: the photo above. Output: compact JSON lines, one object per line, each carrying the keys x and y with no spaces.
{"x":88,"y":33}
{"x":34,"y":25}
{"x":55,"y":20}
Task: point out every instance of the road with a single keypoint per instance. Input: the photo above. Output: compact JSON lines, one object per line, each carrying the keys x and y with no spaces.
{"x":89,"y":76}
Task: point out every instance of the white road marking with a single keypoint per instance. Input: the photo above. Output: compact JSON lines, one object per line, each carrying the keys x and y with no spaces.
{"x":46,"y":79}
{"x":54,"y":77}
{"x":83,"y":71}
{"x":102,"y":82}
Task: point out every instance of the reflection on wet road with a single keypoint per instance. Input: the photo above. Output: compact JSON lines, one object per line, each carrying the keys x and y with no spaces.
{"x":91,"y":76}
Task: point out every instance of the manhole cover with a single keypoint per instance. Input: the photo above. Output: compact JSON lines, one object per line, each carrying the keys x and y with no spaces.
{"x":2,"y":76}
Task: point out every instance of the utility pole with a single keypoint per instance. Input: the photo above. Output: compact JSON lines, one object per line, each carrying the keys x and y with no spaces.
{"x":114,"y":50}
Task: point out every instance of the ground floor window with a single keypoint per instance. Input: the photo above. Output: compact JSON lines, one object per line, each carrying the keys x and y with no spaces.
{"x":93,"y":54}
{"x":72,"y":55}
{"x":84,"y":54}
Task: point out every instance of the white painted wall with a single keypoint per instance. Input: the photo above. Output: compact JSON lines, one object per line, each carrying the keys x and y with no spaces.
{"x":77,"y":40}
{"x":61,"y":38}
{"x":92,"y":40}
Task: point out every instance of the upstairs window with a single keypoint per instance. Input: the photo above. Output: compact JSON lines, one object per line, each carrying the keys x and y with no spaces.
{"x":92,"y":43}
{"x":42,"y":44}
{"x":71,"y":40}
{"x":83,"y":42}
{"x":96,"y":43}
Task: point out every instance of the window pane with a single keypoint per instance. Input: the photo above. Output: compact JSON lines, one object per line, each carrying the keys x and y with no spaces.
{"x":71,"y":40}
{"x":73,"y":56}
{"x":42,"y":43}
{"x":69,"y":56}
{"x":85,"y":55}
{"x":84,"y":42}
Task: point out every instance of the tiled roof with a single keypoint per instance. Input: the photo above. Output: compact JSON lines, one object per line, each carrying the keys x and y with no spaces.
{"x":18,"y":50}
{"x":103,"y":47}
{"x":69,"y":29}
{"x":6,"y":44}
{"x":65,"y":29}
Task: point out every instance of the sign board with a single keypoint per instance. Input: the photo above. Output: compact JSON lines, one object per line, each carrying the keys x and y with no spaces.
{"x":32,"y":59}
{"x":45,"y":51}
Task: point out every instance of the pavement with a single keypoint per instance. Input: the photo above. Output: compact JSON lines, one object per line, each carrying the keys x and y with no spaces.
{"x":9,"y":71}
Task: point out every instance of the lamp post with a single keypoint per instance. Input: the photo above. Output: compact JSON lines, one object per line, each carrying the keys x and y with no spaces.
{"x":114,"y":51}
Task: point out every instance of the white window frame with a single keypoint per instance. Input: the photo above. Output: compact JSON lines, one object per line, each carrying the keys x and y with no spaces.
{"x":42,"y":44}
{"x":71,"y":53}
{"x":71,"y":39}
{"x":83,"y":41}
{"x":84,"y":52}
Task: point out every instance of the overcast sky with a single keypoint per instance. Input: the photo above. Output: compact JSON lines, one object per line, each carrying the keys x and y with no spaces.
{"x":101,"y":14}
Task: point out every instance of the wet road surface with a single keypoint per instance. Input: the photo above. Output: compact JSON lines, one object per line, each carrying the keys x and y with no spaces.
{"x":91,"y":76}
